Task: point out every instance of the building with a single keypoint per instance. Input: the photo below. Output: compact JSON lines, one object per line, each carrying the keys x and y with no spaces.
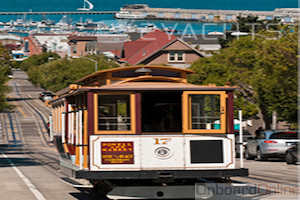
{"x":40,"y":43}
{"x":82,"y":45}
{"x":14,"y":43}
{"x":158,"y":47}
{"x":205,"y":43}
{"x":11,"y":41}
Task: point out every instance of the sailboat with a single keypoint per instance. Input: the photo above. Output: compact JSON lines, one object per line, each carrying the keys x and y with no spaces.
{"x":86,"y":6}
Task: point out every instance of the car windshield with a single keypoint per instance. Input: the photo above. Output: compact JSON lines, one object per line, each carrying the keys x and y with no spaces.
{"x":284,"y":135}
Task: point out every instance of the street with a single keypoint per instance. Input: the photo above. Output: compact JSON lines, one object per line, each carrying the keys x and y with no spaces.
{"x":29,"y":161}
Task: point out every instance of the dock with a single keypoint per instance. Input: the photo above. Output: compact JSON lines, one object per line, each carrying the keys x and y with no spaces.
{"x":60,"y":13}
{"x":287,"y":15}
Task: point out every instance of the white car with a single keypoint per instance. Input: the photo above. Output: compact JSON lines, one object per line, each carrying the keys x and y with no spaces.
{"x":272,"y":143}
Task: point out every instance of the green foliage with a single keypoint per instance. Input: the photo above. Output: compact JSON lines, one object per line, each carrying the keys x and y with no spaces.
{"x":249,"y":24}
{"x":58,"y":74}
{"x":4,"y":71}
{"x":265,"y":71}
{"x":37,"y":60}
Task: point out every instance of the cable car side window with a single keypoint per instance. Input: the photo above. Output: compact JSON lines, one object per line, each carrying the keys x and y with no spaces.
{"x":114,"y":113}
{"x":204,"y":112}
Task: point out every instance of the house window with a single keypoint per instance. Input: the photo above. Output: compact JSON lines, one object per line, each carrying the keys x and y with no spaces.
{"x":175,"y":56}
{"x":180,"y":56}
{"x":75,"y":49}
{"x":172,"y":56}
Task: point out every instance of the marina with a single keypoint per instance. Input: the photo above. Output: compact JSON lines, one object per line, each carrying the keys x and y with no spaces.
{"x":285,"y":15}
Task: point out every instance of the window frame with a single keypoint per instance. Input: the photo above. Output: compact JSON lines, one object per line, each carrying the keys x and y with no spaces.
{"x":74,"y":49}
{"x":132,"y":113}
{"x":176,"y":57}
{"x":186,"y":112}
{"x":171,"y":56}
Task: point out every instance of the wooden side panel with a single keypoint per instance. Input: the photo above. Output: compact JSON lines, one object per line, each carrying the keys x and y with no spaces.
{"x":90,"y":108}
{"x":230,"y":112}
{"x":138,"y":113}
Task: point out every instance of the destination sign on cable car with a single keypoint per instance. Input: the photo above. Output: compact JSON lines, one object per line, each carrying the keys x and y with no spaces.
{"x":117,"y":153}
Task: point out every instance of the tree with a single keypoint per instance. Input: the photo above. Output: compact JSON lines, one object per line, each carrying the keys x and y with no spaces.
{"x":249,"y":24}
{"x":4,"y":71}
{"x":265,"y":71}
{"x":37,"y":60}
{"x":58,"y":74}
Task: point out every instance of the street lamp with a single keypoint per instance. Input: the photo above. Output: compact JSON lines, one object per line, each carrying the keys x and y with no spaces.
{"x":95,"y":61}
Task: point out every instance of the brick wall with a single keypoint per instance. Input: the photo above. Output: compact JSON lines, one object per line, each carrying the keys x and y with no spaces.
{"x":34,"y":47}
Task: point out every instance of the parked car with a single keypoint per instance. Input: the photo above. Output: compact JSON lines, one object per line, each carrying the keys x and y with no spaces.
{"x":246,"y":135}
{"x":271,"y":143}
{"x":292,"y":154}
{"x":44,"y":96}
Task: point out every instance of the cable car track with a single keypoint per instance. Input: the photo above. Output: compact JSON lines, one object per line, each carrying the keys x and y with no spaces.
{"x":16,"y":138}
{"x":38,"y":117}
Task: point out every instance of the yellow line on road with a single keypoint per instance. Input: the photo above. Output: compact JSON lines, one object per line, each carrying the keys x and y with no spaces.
{"x":20,"y":109}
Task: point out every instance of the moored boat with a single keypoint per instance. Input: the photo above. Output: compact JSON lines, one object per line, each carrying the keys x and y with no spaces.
{"x":128,"y":15}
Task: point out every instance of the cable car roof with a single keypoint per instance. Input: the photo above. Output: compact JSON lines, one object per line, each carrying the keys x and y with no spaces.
{"x":103,"y":73}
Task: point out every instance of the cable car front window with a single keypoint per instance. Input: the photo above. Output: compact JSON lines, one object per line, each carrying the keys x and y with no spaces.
{"x":205,"y":111}
{"x":114,"y":112}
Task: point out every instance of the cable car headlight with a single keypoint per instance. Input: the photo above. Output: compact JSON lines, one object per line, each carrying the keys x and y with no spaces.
{"x":163,"y":152}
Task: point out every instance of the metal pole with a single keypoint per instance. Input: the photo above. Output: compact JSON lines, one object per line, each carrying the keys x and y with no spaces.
{"x":274,"y":120}
{"x":80,"y":141}
{"x":51,"y":130}
{"x":96,"y":66}
{"x":241,"y":139}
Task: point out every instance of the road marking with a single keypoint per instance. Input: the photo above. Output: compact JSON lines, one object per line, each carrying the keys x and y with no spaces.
{"x":45,"y":148}
{"x":32,"y":188}
{"x":20,"y":109}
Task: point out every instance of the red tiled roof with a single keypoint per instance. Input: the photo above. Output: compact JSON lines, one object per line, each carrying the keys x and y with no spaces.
{"x":122,"y":60}
{"x":146,"y":46}
{"x":117,"y":53}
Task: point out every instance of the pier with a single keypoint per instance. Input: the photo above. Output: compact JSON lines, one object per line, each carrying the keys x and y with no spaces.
{"x":286,"y":15}
{"x":60,"y":13}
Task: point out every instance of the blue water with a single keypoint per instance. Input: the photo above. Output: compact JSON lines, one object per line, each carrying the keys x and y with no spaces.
{"x":114,"y":5}
{"x":64,"y":5}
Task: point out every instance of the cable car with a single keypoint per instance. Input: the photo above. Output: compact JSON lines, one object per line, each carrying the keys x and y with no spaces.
{"x":144,"y":130}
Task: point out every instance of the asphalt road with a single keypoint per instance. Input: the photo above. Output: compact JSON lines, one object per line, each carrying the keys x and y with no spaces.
{"x":29,"y":161}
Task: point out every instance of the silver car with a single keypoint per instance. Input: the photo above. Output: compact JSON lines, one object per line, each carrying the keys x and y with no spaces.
{"x":272,"y":143}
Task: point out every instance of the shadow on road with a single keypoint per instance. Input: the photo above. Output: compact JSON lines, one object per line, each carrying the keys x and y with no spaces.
{"x":16,"y":157}
{"x":19,"y":99}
